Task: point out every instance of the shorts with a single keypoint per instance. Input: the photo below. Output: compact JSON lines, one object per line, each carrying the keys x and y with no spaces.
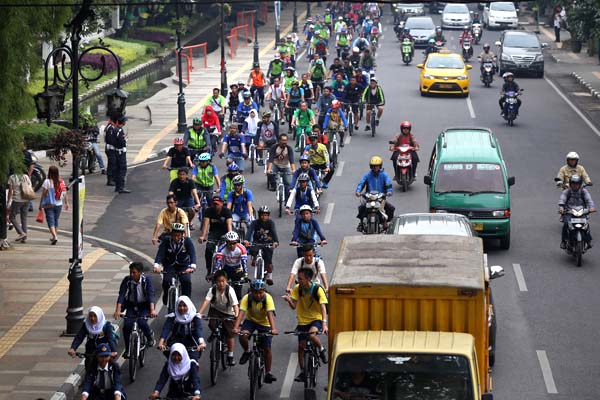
{"x":186,"y":203}
{"x":305,"y":328}
{"x":214,"y":313}
{"x":251,"y":326}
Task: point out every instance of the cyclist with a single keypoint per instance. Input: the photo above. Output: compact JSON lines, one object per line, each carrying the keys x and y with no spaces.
{"x":376,"y":180}
{"x":185,"y":194}
{"x":241,"y":90}
{"x":360,"y":43}
{"x":178,"y":156}
{"x":177,"y":256}
{"x":317,"y":74}
{"x":300,"y":195}
{"x":324,"y":104}
{"x":276,"y":95}
{"x":306,"y":230}
{"x":218,"y":104}
{"x":405,"y":137}
{"x":367,"y":62}
{"x":250,"y":128}
{"x":98,"y":331}
{"x":354,"y":58}
{"x":227,"y":180}
{"x":245,"y":106}
{"x":224,"y":305}
{"x":339,"y":25}
{"x":210,"y":122}
{"x":263,"y":231}
{"x":362,"y":78}
{"x":183,"y":326}
{"x":310,"y":302}
{"x":309,"y":260}
{"x":289,"y":77}
{"x":256,"y":81}
{"x":334,"y":68}
{"x":257,"y":310}
{"x":319,"y":157}
{"x":205,"y":175}
{"x":233,"y":259}
{"x":267,"y":136}
{"x":335,"y":121}
{"x":291,"y":46}
{"x":321,"y":45}
{"x":196,"y":139}
{"x":294,"y":97}
{"x":373,"y":97}
{"x":103,"y":381}
{"x":342,"y":42}
{"x":303,"y":118}
{"x":352,"y":95}
{"x":239,"y":201}
{"x":234,"y":146}
{"x":217,"y":222}
{"x":275,"y":69}
{"x":167,"y":217}
{"x":281,"y":160}
{"x":233,"y":100}
{"x":136,"y":299}
{"x":307,"y":86}
{"x":182,"y":375}
{"x":305,"y":168}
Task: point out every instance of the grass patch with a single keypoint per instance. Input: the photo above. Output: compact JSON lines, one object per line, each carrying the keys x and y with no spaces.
{"x":38,"y":136}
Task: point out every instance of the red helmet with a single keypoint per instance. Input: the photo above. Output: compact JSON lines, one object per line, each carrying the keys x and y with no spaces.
{"x":335,"y":104}
{"x":405,"y":124}
{"x":177,"y":141}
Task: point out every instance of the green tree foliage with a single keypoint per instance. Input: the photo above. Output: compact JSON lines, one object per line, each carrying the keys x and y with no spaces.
{"x":583,"y":18}
{"x":21,"y":34}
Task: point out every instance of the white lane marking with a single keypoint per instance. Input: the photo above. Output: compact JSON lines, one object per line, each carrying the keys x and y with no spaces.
{"x":347,"y":139}
{"x":301,"y":54}
{"x":329,"y":213}
{"x":573,"y":107}
{"x":133,"y":166}
{"x":546,"y":372}
{"x":286,"y":388}
{"x":520,"y":277}
{"x":470,"y":107}
{"x":123,"y":256}
{"x":340,"y":168}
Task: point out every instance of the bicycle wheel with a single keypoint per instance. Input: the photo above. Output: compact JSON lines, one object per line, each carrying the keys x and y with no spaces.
{"x":351,"y":123}
{"x":260,"y":268}
{"x":252,"y":157}
{"x":280,"y":198}
{"x":142,"y":357}
{"x":261,"y":370}
{"x":214,"y":361}
{"x":171,"y":299}
{"x":223,"y":350}
{"x":253,"y":375}
{"x":308,"y":369}
{"x":373,"y":121}
{"x":134,"y":349}
{"x":334,"y":154}
{"x":302,"y":142}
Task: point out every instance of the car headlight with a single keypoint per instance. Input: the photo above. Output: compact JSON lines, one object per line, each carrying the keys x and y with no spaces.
{"x":539,"y":57}
{"x":506,"y":57}
{"x":427,"y":76}
{"x":462,"y":77}
{"x":441,"y":211}
{"x":498,"y":213}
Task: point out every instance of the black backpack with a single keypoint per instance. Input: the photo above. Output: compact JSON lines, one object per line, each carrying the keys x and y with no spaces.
{"x":214,"y":295}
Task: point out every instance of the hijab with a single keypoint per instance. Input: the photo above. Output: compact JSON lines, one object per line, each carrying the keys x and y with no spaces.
{"x":210,"y":120}
{"x":191,"y":313}
{"x":179,"y":371}
{"x":252,"y":122}
{"x":96,"y":328}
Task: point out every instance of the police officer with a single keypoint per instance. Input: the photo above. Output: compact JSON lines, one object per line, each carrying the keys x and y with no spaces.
{"x":120,"y":145}
{"x":109,"y":149}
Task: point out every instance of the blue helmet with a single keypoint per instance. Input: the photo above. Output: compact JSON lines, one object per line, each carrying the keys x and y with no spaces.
{"x":258,"y":284}
{"x":304,"y":157}
{"x":431,"y":41}
{"x":233,"y":167}
{"x":202,"y":157}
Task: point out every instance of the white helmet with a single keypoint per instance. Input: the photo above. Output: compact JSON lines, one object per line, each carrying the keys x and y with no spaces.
{"x":572,"y":156}
{"x":305,"y":207}
{"x":232,"y":236}
{"x":356,"y":49}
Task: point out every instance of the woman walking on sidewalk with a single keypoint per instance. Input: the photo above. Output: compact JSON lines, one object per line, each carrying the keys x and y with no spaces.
{"x":54,"y":185}
{"x":19,"y":205}
{"x":557,"y":24}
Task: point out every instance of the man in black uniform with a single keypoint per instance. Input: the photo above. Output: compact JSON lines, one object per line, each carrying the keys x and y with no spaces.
{"x":219,"y":220}
{"x":103,"y":382}
{"x":120,"y":144}
{"x":109,"y":149}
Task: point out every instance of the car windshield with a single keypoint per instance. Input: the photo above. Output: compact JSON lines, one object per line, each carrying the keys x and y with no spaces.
{"x":445,"y":63}
{"x":469,"y":178}
{"x":409,"y":5}
{"x":456,"y":9}
{"x":426,"y":23}
{"x":521,"y":41}
{"x":502,"y":6}
{"x":402,"y":376}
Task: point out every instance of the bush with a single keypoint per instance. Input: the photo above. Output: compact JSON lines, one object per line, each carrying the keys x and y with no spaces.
{"x":94,"y":60}
{"x":161,"y":38}
{"x":40,"y":136}
{"x":128,"y":51}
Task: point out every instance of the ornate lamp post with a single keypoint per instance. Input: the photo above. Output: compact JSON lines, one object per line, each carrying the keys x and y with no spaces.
{"x":49,"y":105}
{"x":255,"y":20}
{"x":295,"y":22}
{"x":223,"y":67}
{"x":181,"y":120}
{"x":308,"y":9}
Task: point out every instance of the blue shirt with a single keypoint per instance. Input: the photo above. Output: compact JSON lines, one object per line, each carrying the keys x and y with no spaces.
{"x":240,"y":202}
{"x":296,"y":97}
{"x":244,"y":110}
{"x":234,"y":145}
{"x":372,"y":182}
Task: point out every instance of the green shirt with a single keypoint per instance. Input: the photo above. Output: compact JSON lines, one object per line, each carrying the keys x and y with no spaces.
{"x":317,"y":72}
{"x":304,"y":117}
{"x":343,"y":40}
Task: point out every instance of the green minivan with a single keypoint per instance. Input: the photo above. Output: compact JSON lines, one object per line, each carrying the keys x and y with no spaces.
{"x":467,"y":176}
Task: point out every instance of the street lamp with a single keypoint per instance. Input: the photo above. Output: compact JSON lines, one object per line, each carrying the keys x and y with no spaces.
{"x":223,"y":67}
{"x":308,"y":9}
{"x":49,"y":105}
{"x":295,"y":24}
{"x":181,"y":120}
{"x":254,"y":19}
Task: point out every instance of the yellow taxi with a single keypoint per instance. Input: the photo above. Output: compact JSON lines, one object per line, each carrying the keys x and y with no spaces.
{"x":444,"y":72}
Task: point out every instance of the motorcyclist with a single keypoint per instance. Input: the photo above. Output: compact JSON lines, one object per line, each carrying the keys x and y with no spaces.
{"x":430,"y":47}
{"x":509,"y":85}
{"x":405,"y":137}
{"x":476,"y":18}
{"x":406,"y":35}
{"x":571,"y":168}
{"x":466,"y":34}
{"x":376,"y":180}
{"x":439,"y":35}
{"x":574,"y":196}
{"x":487,"y":56}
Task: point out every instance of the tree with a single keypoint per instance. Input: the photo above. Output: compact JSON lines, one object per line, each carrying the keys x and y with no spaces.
{"x":583,"y":18}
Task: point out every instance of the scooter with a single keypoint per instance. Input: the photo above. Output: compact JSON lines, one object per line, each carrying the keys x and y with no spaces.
{"x":404,"y":173}
{"x":510,"y":111}
{"x":476,"y":29}
{"x":398,"y":28}
{"x":578,"y":228}
{"x":376,"y":218}
{"x":38,"y":176}
{"x":467,"y":49}
{"x":487,"y":76}
{"x":406,"y":51}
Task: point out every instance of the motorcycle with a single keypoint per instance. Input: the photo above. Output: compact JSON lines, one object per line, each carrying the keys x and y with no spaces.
{"x":406,"y":51}
{"x":510,"y":111}
{"x":87,"y":159}
{"x":404,"y":173}
{"x":578,"y":228}
{"x":565,"y":185}
{"x":38,"y":176}
{"x":487,"y":76}
{"x":467,"y":49}
{"x":439,"y":45}
{"x":476,"y":32}
{"x":398,"y":28}
{"x":376,"y":218}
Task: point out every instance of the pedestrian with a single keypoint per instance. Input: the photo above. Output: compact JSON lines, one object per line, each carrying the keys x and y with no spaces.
{"x":557,"y":23}
{"x":109,"y":149}
{"x":54,"y":186}
{"x":120,"y":147}
{"x":19,"y":204}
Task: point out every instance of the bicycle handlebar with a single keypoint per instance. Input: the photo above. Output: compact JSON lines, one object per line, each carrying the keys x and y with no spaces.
{"x":298,"y":333}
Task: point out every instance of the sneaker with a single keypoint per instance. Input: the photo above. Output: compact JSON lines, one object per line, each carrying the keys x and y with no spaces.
{"x":103,"y":172}
{"x":269,"y":281}
{"x":360,"y":227}
{"x":367,"y":128}
{"x":208,"y":277}
{"x":341,"y":143}
{"x":563,"y":244}
{"x":355,"y":127}
{"x":260,"y":163}
{"x":110,"y":183}
{"x":150,"y":342}
{"x":245,"y":357}
{"x":53,"y":241}
{"x":323,"y":355}
{"x":588,"y":245}
{"x":269,"y":378}
{"x":300,"y":378}
{"x":230,"y":361}
{"x":126,"y":354}
{"x":20,"y":238}
{"x":325,"y":185}
{"x":377,"y":122}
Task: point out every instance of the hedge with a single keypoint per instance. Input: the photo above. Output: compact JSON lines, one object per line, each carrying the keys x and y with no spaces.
{"x":162,"y":38}
{"x":39,"y":136}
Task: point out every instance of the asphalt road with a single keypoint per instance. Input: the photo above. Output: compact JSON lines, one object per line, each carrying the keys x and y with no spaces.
{"x":549,"y":312}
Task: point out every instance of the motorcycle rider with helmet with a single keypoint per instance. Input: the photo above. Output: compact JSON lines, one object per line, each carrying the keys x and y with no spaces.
{"x":576,"y":195}
{"x":466,"y":34}
{"x":405,"y":137}
{"x":376,"y":180}
{"x":487,"y":56}
{"x":439,"y":35}
{"x":571,"y":168}
{"x":509,"y":86}
{"x":430,"y":48}
{"x":406,"y":35}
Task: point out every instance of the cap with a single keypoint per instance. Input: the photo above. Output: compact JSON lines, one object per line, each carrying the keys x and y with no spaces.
{"x":217,"y":199}
{"x":103,"y":350}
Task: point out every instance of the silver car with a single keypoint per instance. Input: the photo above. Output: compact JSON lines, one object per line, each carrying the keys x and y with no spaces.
{"x":421,"y":29}
{"x":456,"y":16}
{"x":410,"y":9}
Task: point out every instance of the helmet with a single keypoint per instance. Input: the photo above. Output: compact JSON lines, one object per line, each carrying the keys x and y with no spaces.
{"x":177,"y":141}
{"x":238,"y":180}
{"x":319,"y":62}
{"x":197,"y":121}
{"x":438,"y":28}
{"x":232,"y":236}
{"x":313,"y":136}
{"x":264,"y":210}
{"x":288,"y":37}
{"x":375,"y":160}
{"x":295,"y":82}
{"x":203,"y":157}
{"x":290,"y":69}
{"x":246,"y":94}
{"x":340,"y":18}
{"x":254,"y":65}
{"x":355,"y":49}
{"x":507,"y":75}
{"x":305,"y":157}
{"x":572,"y":156}
{"x":431,"y":41}
{"x":335,"y":104}
{"x":373,"y":79}
{"x":266,"y":114}
{"x":303,"y":178}
{"x":466,"y":29}
{"x":241,"y":83}
{"x":486,"y":46}
{"x":177,"y":227}
{"x":575,"y":179}
{"x":405,"y":124}
{"x":258,"y":284}
{"x":406,"y":30}
{"x":306,"y":207}
{"x":311,"y":26}
{"x":233,"y":167}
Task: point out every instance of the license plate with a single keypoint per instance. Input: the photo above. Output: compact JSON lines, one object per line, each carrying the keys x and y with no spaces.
{"x":522,"y":65}
{"x":578,"y":220}
{"x":478,"y":226}
{"x":445,"y":86}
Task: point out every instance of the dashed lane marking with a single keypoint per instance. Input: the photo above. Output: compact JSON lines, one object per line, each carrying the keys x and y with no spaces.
{"x":546,"y":372}
{"x":347,"y":139}
{"x":340,"y":168}
{"x":40,"y":308}
{"x":520,"y":278}
{"x":470,"y":107}
{"x":329,"y":213}
{"x":286,"y":388}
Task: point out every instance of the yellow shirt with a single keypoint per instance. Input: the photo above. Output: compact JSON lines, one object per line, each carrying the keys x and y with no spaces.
{"x":166,"y":218}
{"x":318,"y":156}
{"x":257,"y":314}
{"x":307,"y":309}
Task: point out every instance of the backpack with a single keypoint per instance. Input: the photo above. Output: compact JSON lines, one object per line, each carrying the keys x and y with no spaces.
{"x":58,"y":191}
{"x":214,"y":295}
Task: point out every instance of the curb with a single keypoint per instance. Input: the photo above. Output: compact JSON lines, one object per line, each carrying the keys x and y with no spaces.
{"x":587,"y":86}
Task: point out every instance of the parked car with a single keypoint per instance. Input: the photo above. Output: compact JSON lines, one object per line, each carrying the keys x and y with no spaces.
{"x":421,"y":29}
{"x":410,"y":9}
{"x":456,"y":16}
{"x":520,"y":52}
{"x":500,"y":14}
{"x":431,"y":224}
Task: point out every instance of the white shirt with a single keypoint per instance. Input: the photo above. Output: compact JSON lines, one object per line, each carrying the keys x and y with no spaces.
{"x":220,"y":303}
{"x":48,"y":184}
{"x":320,"y":267}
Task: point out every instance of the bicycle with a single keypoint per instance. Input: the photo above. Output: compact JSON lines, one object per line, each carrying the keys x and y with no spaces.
{"x":256,"y":362}
{"x":137,"y":347}
{"x":333,"y":148}
{"x":218,"y":348}
{"x":203,"y":203}
{"x":312,"y":361}
{"x":173,"y":292}
{"x":302,"y":139}
{"x":252,"y":153}
{"x":276,"y":111}
{"x":373,"y":119}
{"x":279,"y":192}
{"x":259,"y":262}
{"x":240,"y":228}
{"x":88,"y":359}
{"x":350,"y":116}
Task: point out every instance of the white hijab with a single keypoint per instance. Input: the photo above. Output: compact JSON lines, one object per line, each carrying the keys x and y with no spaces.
{"x":96,"y":328}
{"x":191,"y":313}
{"x":252,"y":122}
{"x":179,"y":371}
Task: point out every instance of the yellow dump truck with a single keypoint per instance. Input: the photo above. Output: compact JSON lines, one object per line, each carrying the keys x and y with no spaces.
{"x":409,"y":319}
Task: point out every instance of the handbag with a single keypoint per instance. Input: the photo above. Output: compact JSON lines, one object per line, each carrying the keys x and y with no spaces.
{"x":49,"y":200}
{"x":40,"y":217}
{"x":27,"y":192}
